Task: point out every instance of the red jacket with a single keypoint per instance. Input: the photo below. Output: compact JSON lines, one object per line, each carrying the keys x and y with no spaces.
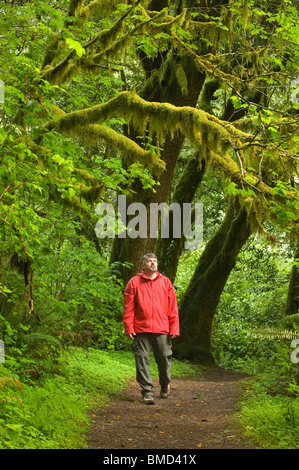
{"x":150,"y":306}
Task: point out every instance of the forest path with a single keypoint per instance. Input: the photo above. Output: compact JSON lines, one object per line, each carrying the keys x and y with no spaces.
{"x":197,"y":414}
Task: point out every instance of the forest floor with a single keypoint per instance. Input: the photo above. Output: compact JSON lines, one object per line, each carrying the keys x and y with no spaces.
{"x":197,"y":414}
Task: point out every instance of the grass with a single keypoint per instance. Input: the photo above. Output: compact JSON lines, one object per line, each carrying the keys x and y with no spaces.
{"x":52,"y":413}
{"x":269,"y":416}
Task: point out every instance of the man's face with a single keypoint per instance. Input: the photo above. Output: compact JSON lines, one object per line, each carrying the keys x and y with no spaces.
{"x":150,"y":264}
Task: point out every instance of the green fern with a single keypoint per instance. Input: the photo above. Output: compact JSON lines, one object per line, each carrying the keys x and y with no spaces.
{"x":275,"y":334}
{"x":40,"y":338}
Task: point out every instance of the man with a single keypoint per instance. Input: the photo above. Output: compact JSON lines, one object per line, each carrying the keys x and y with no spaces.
{"x":151,"y":320}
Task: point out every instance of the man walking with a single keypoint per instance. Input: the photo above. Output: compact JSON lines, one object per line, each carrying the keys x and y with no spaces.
{"x":151,"y":320}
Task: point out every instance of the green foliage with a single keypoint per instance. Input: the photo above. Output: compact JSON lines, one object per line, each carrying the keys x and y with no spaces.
{"x":67,"y":66}
{"x":270,"y":411}
{"x":253,"y":299}
{"x":270,"y":422}
{"x":185,"y":270}
{"x":53,"y":413}
{"x":247,"y":337}
{"x":84,"y":303}
{"x":290,"y":321}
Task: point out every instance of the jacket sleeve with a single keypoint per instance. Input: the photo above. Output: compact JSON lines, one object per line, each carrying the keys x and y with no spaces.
{"x":129,"y":308}
{"x":173,"y":313}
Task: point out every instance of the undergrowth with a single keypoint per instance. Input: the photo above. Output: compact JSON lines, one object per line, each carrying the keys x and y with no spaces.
{"x":53,"y":411}
{"x":269,"y":415}
{"x":270,"y":421}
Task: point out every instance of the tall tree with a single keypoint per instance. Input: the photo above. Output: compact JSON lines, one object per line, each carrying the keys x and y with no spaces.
{"x":171,"y":77}
{"x":292,"y":303}
{"x":200,"y":300}
{"x":70,"y":138}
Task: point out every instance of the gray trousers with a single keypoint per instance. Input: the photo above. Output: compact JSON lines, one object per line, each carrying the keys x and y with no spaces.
{"x":161,"y":345}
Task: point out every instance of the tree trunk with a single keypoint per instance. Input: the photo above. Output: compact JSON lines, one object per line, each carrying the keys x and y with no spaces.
{"x":168,"y":250}
{"x":292,"y":304}
{"x":130,"y":250}
{"x":200,"y":301}
{"x":166,"y":88}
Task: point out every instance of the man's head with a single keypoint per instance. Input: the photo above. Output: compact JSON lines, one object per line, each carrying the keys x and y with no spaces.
{"x":149,"y":263}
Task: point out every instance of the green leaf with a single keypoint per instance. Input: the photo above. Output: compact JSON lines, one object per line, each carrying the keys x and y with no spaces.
{"x":71,"y":192}
{"x":80,"y":51}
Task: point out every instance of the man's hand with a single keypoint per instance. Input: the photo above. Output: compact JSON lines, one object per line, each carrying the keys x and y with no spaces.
{"x":173,"y":336}
{"x":131,"y":335}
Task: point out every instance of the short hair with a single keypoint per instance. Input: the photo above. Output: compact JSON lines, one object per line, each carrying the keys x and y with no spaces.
{"x":147,"y":256}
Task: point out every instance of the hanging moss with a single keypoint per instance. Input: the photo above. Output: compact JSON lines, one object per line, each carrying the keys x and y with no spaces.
{"x":86,"y":176}
{"x":111,"y":42}
{"x":93,"y":194}
{"x":181,"y":79}
{"x":245,"y":14}
{"x":75,"y":7}
{"x":159,"y":118}
{"x":166,"y":69}
{"x":226,"y":148}
{"x":66,"y":69}
{"x":94,"y":133}
{"x":95,"y":6}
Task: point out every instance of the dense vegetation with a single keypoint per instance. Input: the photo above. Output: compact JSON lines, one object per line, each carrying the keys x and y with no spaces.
{"x":178,"y":102}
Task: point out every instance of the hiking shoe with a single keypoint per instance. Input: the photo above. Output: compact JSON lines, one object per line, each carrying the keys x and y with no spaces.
{"x":165,"y":392}
{"x":148,"y":400}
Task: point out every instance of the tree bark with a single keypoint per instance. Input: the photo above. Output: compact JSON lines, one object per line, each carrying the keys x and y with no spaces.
{"x":168,"y":250}
{"x":292,"y":303}
{"x":200,"y":300}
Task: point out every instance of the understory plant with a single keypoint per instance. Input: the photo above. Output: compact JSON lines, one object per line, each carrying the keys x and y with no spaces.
{"x":51,"y":412}
{"x":269,"y":414}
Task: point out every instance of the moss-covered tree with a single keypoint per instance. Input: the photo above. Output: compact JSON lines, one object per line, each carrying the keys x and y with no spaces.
{"x":292,"y":303}
{"x":200,"y":300}
{"x":63,"y":133}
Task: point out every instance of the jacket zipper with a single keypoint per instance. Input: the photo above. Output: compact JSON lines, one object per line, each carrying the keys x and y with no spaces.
{"x":151,"y":286}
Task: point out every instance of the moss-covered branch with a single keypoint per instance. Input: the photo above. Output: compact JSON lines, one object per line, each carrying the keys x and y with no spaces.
{"x":109,"y":42}
{"x":95,"y":6}
{"x":67,"y":67}
{"x":160,"y":119}
{"x":93,"y":133}
{"x":222,"y":144}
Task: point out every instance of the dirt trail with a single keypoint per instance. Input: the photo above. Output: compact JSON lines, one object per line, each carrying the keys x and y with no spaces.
{"x":197,"y":414}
